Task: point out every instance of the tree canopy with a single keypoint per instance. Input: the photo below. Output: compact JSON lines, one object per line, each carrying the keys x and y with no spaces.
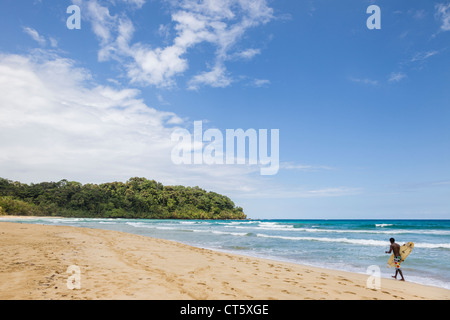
{"x":136,"y":198}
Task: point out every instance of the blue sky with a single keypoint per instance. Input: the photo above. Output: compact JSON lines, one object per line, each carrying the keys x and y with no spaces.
{"x":363,"y":114}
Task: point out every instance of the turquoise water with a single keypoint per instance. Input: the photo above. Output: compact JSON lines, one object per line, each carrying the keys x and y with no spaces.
{"x":350,"y":245}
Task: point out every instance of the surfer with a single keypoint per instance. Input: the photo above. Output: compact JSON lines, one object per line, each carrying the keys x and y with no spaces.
{"x":395,"y":247}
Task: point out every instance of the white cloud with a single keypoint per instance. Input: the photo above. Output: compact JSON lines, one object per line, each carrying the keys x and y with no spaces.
{"x":220,"y":23}
{"x":300,"y":192}
{"x":103,"y":25}
{"x":422,"y":56}
{"x":137,"y":3}
{"x":364,"y":81}
{"x":246,"y":54}
{"x":57,"y":123}
{"x":396,"y":76}
{"x":419,"y":14}
{"x":303,"y":167}
{"x":164,"y":31}
{"x":161,"y":100}
{"x":443,"y":15}
{"x":260,"y":83}
{"x":60,"y":125}
{"x":35,"y":36}
{"x":156,"y":67}
{"x":53,"y":42}
{"x":216,"y":78}
{"x":413,"y":62}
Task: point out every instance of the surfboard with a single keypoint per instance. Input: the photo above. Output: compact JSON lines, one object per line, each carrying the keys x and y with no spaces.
{"x":405,"y":250}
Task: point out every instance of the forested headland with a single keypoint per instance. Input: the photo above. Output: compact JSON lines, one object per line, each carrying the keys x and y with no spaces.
{"x":137,"y":198}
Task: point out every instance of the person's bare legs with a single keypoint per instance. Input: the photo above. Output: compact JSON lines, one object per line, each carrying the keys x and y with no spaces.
{"x":397,"y":271}
{"x":401,"y":273}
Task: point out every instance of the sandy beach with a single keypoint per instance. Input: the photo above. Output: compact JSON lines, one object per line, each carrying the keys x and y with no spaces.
{"x":35,"y":259}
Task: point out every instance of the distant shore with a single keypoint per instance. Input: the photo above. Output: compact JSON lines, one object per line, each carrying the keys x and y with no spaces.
{"x":27,"y":217}
{"x":116,"y":265}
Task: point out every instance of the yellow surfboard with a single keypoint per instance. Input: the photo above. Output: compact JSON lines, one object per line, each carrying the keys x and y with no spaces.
{"x":405,"y":250}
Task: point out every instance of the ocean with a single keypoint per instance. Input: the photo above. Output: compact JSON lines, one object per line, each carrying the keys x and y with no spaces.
{"x":349,"y":245}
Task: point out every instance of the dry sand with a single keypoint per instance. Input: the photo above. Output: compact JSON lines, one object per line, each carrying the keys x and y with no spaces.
{"x":114,"y":265}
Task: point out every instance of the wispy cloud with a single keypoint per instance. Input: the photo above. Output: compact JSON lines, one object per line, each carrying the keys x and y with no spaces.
{"x":300,"y":192}
{"x":53,"y":42}
{"x":137,"y":3}
{"x":417,"y":14}
{"x":40,"y":39}
{"x":422,"y":56}
{"x":161,"y":100}
{"x":35,"y":36}
{"x":216,"y":78}
{"x":407,"y":187}
{"x":364,"y":81}
{"x":258,"y":83}
{"x":396,"y":76}
{"x":303,"y":167}
{"x":246,"y":54}
{"x":416,"y":61}
{"x":443,"y":15}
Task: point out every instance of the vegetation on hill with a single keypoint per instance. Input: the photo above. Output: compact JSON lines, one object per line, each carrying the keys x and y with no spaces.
{"x":137,"y":198}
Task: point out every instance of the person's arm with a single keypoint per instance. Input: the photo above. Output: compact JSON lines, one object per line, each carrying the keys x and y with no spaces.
{"x":390,"y":249}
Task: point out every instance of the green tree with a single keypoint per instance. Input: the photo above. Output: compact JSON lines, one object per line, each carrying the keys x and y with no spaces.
{"x":136,"y":198}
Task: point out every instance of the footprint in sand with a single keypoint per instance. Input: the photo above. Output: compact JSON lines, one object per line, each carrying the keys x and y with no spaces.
{"x":349,"y":292}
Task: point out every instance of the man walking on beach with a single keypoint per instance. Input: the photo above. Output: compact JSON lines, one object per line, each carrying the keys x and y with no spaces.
{"x":395,"y":247}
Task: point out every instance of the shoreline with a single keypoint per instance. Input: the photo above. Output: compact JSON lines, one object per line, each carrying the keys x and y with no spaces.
{"x":384,"y":275}
{"x":118,"y":265}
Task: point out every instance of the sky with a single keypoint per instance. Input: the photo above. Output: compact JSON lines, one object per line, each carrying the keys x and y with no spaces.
{"x":362,"y":114}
